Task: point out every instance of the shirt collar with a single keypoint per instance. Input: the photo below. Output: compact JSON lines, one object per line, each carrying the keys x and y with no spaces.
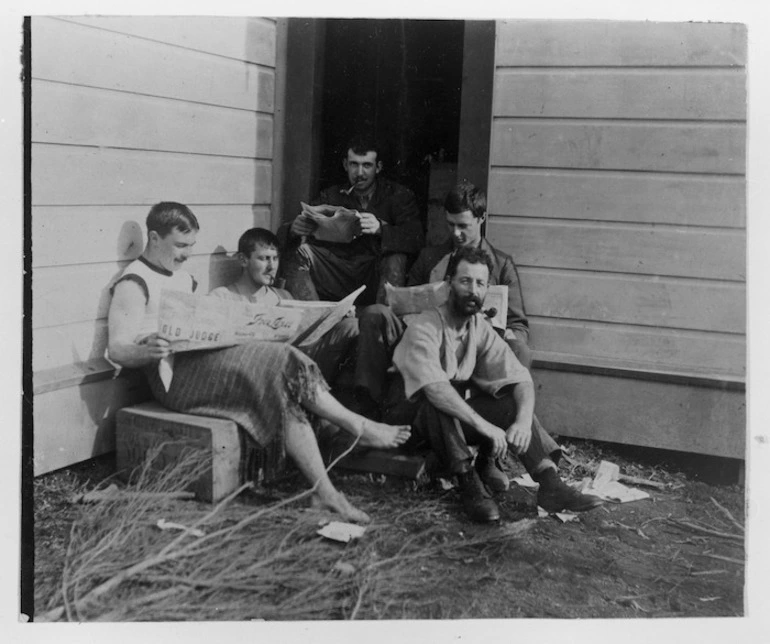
{"x":153,"y":267}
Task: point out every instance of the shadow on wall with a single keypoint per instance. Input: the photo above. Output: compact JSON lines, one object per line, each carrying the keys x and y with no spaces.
{"x":129,"y":245}
{"x":101,"y":401}
{"x":223,"y":269}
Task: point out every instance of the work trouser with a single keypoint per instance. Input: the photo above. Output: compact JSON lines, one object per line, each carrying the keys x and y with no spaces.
{"x":333,"y":348}
{"x":318,"y":273}
{"x":449,"y":439}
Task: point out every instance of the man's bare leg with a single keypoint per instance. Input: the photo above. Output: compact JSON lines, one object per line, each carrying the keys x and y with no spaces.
{"x":369,"y":433}
{"x":301,"y":446}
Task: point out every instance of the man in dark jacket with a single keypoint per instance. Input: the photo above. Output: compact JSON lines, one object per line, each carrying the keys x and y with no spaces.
{"x":380,"y":329}
{"x":389,"y":235}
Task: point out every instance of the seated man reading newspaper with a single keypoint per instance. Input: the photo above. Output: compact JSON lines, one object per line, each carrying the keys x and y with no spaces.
{"x":267,"y":388}
{"x":372,"y":233}
{"x":381,"y":327}
{"x":259,"y":258}
{"x":460,"y":383}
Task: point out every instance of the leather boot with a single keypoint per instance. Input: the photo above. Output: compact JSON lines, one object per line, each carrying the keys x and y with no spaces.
{"x":555,"y":495}
{"x":477,"y":501}
{"x":491,"y":473}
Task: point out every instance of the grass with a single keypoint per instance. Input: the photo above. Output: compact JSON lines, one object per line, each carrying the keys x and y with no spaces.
{"x":421,"y":559}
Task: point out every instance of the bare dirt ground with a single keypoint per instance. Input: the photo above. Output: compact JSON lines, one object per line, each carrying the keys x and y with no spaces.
{"x":421,"y":558}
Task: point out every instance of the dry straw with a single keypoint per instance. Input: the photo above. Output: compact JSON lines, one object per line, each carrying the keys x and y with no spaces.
{"x":266,"y":563}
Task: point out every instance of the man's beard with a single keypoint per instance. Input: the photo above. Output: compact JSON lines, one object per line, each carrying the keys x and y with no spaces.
{"x":466,"y":305}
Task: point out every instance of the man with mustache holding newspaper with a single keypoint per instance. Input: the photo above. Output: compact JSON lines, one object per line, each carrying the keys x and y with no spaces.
{"x":387,"y":232}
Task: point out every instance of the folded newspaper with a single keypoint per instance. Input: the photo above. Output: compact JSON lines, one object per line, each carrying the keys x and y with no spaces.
{"x":194,"y":322}
{"x":409,"y":300}
{"x":332,"y":223}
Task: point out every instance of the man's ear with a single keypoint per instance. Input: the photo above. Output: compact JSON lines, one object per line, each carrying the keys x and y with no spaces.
{"x":345,"y":163}
{"x":153,"y":237}
{"x":483,"y":217}
{"x":378,"y":167}
{"x":242,"y":259}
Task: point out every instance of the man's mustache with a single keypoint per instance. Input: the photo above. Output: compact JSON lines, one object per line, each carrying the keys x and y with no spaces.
{"x":474,"y":299}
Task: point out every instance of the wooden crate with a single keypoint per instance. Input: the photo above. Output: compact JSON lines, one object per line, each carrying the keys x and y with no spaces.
{"x":234,"y":457}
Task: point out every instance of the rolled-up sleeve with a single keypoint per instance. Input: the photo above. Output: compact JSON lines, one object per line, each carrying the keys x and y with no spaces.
{"x":418,"y":356}
{"x":496,"y":364}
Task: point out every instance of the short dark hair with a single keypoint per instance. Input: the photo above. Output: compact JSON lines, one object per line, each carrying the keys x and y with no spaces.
{"x":167,"y":215}
{"x":254,"y":237}
{"x":361,"y":144}
{"x":472,"y":256}
{"x":465,"y":196}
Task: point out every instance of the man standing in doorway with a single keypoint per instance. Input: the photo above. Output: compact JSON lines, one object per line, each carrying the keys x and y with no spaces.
{"x":390,"y":234}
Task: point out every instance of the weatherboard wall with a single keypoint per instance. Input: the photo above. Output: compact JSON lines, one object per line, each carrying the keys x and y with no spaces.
{"x":617,"y":181}
{"x":126,"y":112}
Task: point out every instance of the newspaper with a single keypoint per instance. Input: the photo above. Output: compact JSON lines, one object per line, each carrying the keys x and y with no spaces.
{"x":415,"y":299}
{"x":319,"y":317}
{"x":332,"y":223}
{"x":195,"y":322}
{"x":409,"y":300}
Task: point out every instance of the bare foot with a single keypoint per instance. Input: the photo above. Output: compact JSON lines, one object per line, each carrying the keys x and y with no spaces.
{"x":339,"y":503}
{"x":383,"y":436}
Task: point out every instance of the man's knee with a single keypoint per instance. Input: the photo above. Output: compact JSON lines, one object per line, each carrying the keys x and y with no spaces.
{"x":380,"y":320}
{"x":346,"y":328}
{"x":375,"y":315}
{"x":393,"y":269}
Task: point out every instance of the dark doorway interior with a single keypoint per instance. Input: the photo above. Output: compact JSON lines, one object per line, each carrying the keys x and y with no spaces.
{"x":400,"y":80}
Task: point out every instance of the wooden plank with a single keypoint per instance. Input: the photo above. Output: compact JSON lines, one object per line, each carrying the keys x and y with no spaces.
{"x":689,"y":94}
{"x":72,"y":375}
{"x":617,"y":145}
{"x":476,"y":101}
{"x":66,"y":175}
{"x":575,"y":43}
{"x":79,"y":293}
{"x":75,"y":115}
{"x":650,"y":414}
{"x":303,"y":102}
{"x":62,"y":345}
{"x":78,"y":423}
{"x":64,"y":51}
{"x":279,"y":122}
{"x":629,"y":299}
{"x":623,"y":248}
{"x":675,"y":350}
{"x":90,"y":234}
{"x":379,"y":461}
{"x":621,"y":368}
{"x":641,"y":197}
{"x":238,"y":37}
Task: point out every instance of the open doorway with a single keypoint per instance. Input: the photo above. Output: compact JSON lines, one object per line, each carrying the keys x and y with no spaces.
{"x":402,"y":81}
{"x":422,"y":87}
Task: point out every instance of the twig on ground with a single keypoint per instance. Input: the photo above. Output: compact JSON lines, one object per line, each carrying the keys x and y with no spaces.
{"x":703,"y":573}
{"x":635,"y":480}
{"x":728,"y":514}
{"x":723,"y":558}
{"x":115,"y":494}
{"x":715,"y":533}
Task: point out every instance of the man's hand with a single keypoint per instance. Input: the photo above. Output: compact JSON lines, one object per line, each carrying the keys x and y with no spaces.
{"x":303,"y":225}
{"x":370,"y":225}
{"x":154,"y":347}
{"x":496,"y":436}
{"x":518,"y":436}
